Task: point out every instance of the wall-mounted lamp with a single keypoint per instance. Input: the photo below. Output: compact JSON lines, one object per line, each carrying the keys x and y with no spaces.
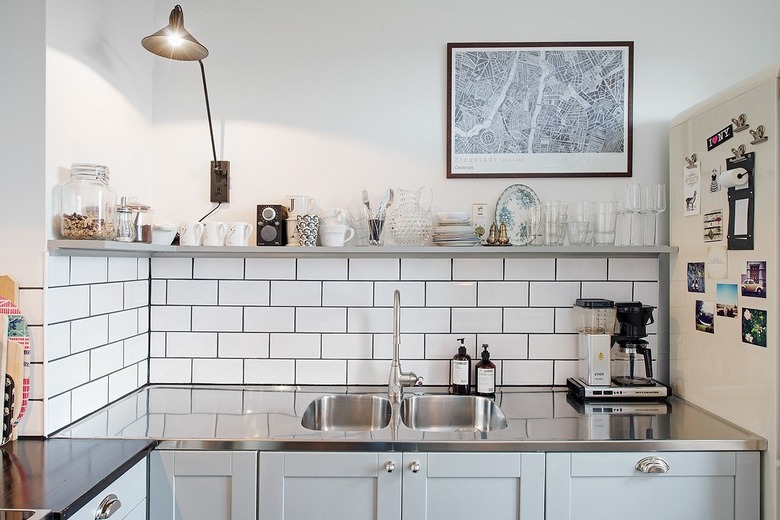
{"x":175,"y":43}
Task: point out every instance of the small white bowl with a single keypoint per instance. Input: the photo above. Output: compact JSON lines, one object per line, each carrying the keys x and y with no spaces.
{"x":163,"y":235}
{"x":453,"y":217}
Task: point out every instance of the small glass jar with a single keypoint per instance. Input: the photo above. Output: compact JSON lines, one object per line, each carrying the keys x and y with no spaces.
{"x":88,"y":204}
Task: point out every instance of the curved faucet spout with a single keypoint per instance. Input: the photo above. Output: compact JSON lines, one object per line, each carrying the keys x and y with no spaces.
{"x":398,"y":379}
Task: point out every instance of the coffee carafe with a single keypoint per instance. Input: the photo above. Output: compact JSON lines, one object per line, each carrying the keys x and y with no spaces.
{"x":632,"y":320}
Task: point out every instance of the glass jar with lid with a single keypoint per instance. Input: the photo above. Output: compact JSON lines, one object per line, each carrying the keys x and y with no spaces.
{"x":88,"y":204}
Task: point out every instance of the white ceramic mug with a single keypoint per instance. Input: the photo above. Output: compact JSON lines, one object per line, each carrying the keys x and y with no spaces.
{"x":332,"y":217}
{"x":191,"y":233}
{"x":238,"y":233}
{"x":336,"y":236}
{"x":300,"y":205}
{"x":293,"y":239}
{"x":214,"y":234}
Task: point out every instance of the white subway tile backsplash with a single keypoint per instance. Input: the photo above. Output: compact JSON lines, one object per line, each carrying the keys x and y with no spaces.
{"x":504,"y":346}
{"x":371,"y":319}
{"x":88,"y":333}
{"x":67,"y":373}
{"x":412,"y":293}
{"x":528,"y":372}
{"x":529,"y":320}
{"x":481,"y":319}
{"x":170,"y":370}
{"x":374,"y":268}
{"x":58,"y":344}
{"x":581,"y":269}
{"x":144,"y":268}
{"x":104,"y":360}
{"x":122,"y":382}
{"x":347,"y":346}
{"x":478,"y":269}
{"x":426,"y":269}
{"x":58,"y":271}
{"x":502,"y":294}
{"x":170,"y":317}
{"x":136,"y":349}
{"x":295,"y":346}
{"x":270,"y":268}
{"x":159,"y":292}
{"x":168,"y":267}
{"x":368,"y":371}
{"x":122,"y":325}
{"x":616,"y":291}
{"x":143,"y":319}
{"x":218,"y":371}
{"x":191,"y":345}
{"x":412,"y":346}
{"x":192,"y":292}
{"x":321,"y":319}
{"x":552,"y":346}
{"x":88,"y":269}
{"x":322,"y":269}
{"x":435,"y":372}
{"x":564,"y":320}
{"x":553,"y":294}
{"x":530,"y":269}
{"x":219,"y":268}
{"x":451,"y":294}
{"x":564,"y":369}
{"x":90,"y":397}
{"x":106,"y":297}
{"x":136,"y":294}
{"x":647,"y":293}
{"x":296,"y":293}
{"x":58,"y":411}
{"x":269,"y":371}
{"x":444,"y":346}
{"x":321,"y":372}
{"x":347,"y":294}
{"x":67,"y":303}
{"x":269,"y":319}
{"x":122,"y":268}
{"x":217,"y":319}
{"x":243,"y":345}
{"x":244,"y":292}
{"x":157,"y":344}
{"x":633,"y":269}
{"x":424,"y":320}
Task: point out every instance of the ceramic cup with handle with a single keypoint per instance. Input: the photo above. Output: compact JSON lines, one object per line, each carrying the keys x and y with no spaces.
{"x":336,"y":235}
{"x":214,"y":234}
{"x":191,"y":233}
{"x":238,"y":233}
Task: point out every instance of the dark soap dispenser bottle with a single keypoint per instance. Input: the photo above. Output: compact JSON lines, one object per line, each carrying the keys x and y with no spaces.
{"x":460,"y":371}
{"x":486,"y":375}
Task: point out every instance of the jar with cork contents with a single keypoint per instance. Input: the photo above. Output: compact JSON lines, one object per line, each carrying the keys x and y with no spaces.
{"x":88,"y":204}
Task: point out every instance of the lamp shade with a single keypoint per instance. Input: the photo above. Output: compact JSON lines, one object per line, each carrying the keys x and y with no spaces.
{"x":174,"y":41}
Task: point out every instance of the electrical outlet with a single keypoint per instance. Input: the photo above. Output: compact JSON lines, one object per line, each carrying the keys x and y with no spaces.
{"x":220,"y":181}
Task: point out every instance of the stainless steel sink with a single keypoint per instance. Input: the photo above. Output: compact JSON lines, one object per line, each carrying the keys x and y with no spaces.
{"x":347,"y":412}
{"x":448,"y":413}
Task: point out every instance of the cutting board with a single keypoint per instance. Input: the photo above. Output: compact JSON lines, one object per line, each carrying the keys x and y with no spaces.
{"x":18,"y":332}
{"x":14,"y":372}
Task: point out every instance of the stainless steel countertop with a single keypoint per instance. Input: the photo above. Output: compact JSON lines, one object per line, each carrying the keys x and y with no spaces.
{"x":269,"y":418}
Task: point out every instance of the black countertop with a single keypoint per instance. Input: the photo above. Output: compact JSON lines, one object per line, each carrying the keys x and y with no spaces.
{"x":64,"y":474}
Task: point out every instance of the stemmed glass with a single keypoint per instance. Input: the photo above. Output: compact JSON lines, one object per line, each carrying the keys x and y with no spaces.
{"x":622,"y":213}
{"x":633,"y":205}
{"x":654,"y":200}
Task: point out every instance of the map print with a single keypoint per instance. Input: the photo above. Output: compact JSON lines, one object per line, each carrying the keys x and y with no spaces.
{"x":510,"y":104}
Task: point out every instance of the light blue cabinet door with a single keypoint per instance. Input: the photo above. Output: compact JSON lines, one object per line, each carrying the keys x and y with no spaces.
{"x":330,"y":486}
{"x":193,"y":485}
{"x":468,"y":486}
{"x":607,"y":486}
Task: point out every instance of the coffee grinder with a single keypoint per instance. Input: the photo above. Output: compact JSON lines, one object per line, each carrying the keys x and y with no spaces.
{"x":630,"y":354}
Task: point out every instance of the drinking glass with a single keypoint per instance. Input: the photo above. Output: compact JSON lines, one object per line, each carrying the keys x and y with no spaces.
{"x":603,"y":222}
{"x":655,"y":203}
{"x":622,"y":230}
{"x":634,"y":206}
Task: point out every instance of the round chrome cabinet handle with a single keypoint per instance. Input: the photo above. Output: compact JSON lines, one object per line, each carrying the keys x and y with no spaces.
{"x":108,"y":507}
{"x":652,"y":465}
{"x":414,"y":466}
{"x":389,"y":466}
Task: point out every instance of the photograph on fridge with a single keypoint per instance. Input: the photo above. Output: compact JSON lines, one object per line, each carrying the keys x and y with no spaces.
{"x":696,"y":277}
{"x":754,"y":327}
{"x":726,"y":300}
{"x":753,"y":282}
{"x":705,"y":316}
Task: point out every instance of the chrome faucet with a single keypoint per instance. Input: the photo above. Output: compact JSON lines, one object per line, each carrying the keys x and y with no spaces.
{"x":397,"y":378}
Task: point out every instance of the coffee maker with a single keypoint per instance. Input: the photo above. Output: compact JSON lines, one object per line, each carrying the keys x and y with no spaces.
{"x":629,"y":359}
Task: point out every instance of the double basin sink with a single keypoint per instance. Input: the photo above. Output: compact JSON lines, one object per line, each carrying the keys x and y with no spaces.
{"x":428,"y":412}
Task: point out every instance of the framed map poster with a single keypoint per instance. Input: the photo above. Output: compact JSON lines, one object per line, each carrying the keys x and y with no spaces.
{"x":539,"y":109}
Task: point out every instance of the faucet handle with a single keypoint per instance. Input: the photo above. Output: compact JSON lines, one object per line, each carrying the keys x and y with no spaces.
{"x":419,"y":381}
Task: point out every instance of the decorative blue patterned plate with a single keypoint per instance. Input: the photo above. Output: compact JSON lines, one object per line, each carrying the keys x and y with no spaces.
{"x":520,"y":210}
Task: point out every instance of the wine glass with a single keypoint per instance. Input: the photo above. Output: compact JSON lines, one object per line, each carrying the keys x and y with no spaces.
{"x":655,"y":202}
{"x":633,"y":205}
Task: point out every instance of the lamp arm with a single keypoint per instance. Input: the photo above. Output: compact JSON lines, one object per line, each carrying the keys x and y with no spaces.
{"x":208,"y":110}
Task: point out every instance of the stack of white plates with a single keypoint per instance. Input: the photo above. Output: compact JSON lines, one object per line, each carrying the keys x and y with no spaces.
{"x":454,"y":229}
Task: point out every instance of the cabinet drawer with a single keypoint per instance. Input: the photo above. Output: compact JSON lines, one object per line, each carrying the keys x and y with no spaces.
{"x":130,"y":490}
{"x":680,"y":464}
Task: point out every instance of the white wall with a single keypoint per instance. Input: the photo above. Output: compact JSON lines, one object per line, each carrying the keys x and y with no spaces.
{"x":325,"y":98}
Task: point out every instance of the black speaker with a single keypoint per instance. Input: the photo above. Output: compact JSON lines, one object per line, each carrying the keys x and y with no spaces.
{"x":271,"y":224}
